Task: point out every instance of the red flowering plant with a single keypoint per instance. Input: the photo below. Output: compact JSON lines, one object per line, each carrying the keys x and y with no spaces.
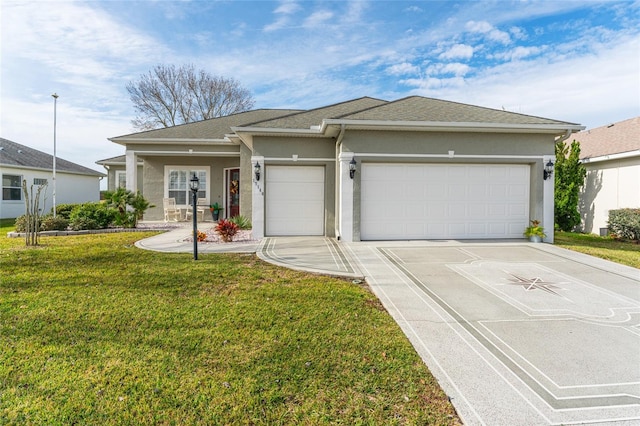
{"x":226,"y":229}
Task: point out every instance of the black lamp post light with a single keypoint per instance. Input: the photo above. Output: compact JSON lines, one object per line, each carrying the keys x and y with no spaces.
{"x":256,"y":171}
{"x":194,"y":184}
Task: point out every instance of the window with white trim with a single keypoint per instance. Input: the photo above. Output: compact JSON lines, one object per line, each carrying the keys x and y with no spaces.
{"x":121,"y":179}
{"x":12,"y":187}
{"x":40,"y":181}
{"x":177,"y":183}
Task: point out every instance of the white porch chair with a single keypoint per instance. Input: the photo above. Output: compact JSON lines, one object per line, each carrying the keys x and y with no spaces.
{"x":171,"y":211}
{"x":201,"y":207}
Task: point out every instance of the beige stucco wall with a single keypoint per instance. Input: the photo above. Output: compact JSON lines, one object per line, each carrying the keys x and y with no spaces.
{"x":609,"y":185}
{"x":154,"y":171}
{"x":310,"y":152}
{"x":246,"y":177}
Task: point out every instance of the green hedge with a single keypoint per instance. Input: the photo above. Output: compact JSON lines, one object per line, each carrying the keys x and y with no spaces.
{"x":625,"y":223}
{"x":91,"y":216}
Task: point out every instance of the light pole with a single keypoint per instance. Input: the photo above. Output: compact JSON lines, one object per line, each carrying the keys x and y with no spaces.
{"x":194,"y":184}
{"x":55,"y":107}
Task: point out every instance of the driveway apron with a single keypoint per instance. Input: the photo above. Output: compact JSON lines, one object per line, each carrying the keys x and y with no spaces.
{"x":516,"y":333}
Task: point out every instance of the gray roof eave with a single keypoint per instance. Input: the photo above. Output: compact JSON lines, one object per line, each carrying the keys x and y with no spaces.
{"x":91,"y":172}
{"x":559,"y":128}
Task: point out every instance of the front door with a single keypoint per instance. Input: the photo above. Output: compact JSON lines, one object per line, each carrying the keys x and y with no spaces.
{"x":233,"y":193}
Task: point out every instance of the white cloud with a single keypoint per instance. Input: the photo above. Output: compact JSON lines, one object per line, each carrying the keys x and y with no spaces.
{"x":318,"y":18}
{"x":454,"y":68}
{"x":402,"y":69}
{"x":458,"y":51}
{"x":284,"y":12}
{"x":592,"y":89}
{"x":414,"y":9}
{"x":489,"y":31}
{"x":518,"y":53}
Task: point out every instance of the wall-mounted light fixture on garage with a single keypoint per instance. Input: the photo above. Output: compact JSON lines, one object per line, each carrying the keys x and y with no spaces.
{"x":352,"y":167}
{"x":548,"y":170}
{"x":256,"y":171}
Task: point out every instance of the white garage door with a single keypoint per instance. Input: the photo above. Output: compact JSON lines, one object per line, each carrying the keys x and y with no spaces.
{"x":433,"y":201}
{"x":294,"y":200}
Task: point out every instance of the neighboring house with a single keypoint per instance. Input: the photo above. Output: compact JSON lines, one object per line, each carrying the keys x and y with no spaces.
{"x":365,"y":169}
{"x":117,"y":173}
{"x":74,"y":183}
{"x":611,"y":155}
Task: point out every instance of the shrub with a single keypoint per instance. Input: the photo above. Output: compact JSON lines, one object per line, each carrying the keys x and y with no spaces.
{"x":65,"y":210}
{"x":241,"y":221}
{"x":50,"y":223}
{"x":625,"y":223}
{"x":21,"y":223}
{"x":226,"y":229}
{"x":91,"y":216}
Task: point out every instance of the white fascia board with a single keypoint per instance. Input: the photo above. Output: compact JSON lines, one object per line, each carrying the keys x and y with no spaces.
{"x":276,"y":131}
{"x":620,"y":156}
{"x":189,"y":152}
{"x":166,"y":141}
{"x":455,"y":126}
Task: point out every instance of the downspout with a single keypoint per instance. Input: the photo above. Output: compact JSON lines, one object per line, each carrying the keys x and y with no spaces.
{"x":337,"y":179}
{"x":565,"y":136}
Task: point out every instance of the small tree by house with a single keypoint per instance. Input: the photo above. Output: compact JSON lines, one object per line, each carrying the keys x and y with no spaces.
{"x":32,"y":213}
{"x":569,"y":178}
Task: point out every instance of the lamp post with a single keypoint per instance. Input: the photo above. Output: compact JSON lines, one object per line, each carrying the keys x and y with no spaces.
{"x":194,"y":184}
{"x":55,"y":107}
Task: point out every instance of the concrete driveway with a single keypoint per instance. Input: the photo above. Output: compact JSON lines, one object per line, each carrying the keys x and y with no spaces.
{"x":516,"y":333}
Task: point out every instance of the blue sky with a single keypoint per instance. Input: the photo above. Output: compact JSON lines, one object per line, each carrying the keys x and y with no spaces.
{"x":573,"y":61}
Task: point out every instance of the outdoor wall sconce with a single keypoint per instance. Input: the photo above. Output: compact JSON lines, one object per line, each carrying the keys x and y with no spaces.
{"x":548,"y":170}
{"x":194,"y":185}
{"x":256,"y":171}
{"x":352,"y":167}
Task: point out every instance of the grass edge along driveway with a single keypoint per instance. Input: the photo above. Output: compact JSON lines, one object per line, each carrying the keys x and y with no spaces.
{"x":96,"y":331}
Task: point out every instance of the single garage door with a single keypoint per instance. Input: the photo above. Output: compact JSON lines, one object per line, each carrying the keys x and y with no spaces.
{"x":294,"y":200}
{"x":434,"y":201}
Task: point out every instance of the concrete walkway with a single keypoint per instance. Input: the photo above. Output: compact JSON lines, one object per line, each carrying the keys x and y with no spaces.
{"x":516,"y":333}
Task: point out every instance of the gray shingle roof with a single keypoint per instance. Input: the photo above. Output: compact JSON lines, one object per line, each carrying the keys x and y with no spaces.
{"x":616,"y":138}
{"x":418,"y":108}
{"x":213,"y":128}
{"x":314,"y":117}
{"x":15,"y":154}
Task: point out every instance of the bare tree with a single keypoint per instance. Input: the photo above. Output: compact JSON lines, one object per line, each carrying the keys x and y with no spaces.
{"x":168,"y":95}
{"x":32,"y":213}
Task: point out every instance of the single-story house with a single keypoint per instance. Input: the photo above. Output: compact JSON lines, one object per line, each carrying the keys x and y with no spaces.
{"x":611,"y":155}
{"x":74,"y":183}
{"x":365,"y":169}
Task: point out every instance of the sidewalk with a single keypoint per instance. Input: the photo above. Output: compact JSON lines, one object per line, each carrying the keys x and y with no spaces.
{"x":319,"y":255}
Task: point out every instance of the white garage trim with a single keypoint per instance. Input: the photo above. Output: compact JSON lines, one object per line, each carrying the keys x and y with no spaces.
{"x":442,"y":201}
{"x":294,"y":200}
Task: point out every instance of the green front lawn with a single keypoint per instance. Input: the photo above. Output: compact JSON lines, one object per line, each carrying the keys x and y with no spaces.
{"x":623,"y":252}
{"x":96,"y":331}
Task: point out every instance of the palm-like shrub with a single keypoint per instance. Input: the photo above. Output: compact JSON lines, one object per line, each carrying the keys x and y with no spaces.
{"x":226,"y":229}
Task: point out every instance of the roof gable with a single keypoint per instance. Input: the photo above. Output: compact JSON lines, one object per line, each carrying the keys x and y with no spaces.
{"x":617,"y":138}
{"x":213,"y":128}
{"x":314,"y":117}
{"x":18,"y":155}
{"x":421,"y":109}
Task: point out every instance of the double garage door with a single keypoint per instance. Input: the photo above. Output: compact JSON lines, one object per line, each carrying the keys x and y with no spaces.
{"x":433,"y":201}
